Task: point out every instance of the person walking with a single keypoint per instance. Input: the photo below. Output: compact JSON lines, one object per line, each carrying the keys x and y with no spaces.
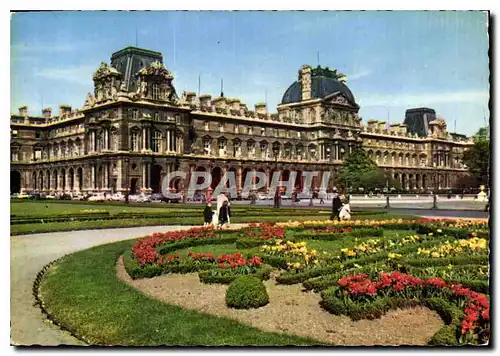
{"x":224,"y":214}
{"x":336,"y":206}
{"x":277,"y":199}
{"x":208,"y":214}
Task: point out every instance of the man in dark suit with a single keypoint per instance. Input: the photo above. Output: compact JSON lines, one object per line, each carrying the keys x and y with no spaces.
{"x":336,"y":206}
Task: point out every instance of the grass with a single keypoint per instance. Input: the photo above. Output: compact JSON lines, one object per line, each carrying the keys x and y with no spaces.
{"x":240,"y":215}
{"x":83,"y":293}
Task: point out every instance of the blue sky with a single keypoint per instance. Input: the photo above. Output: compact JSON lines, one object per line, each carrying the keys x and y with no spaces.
{"x":393,"y":60}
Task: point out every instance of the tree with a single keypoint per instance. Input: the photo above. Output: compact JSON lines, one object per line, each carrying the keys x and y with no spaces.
{"x":477,"y":158}
{"x":359,"y":170}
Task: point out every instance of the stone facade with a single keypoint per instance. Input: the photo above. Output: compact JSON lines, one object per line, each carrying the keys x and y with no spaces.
{"x":134,"y":129}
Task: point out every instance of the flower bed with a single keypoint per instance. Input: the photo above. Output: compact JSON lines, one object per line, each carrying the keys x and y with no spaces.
{"x":372,"y":266}
{"x":359,"y":297}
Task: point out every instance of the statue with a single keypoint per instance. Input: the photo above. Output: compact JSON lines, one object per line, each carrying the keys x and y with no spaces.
{"x":349,"y":133}
{"x":143,"y":88}
{"x":123,"y":87}
{"x":89,"y":101}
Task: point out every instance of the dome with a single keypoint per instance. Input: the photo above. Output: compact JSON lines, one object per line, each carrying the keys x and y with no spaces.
{"x":321,"y":87}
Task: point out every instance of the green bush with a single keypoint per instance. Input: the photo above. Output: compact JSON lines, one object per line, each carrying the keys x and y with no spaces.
{"x":365,"y":232}
{"x":246,"y":292}
{"x":226,"y":276}
{"x":247,"y":242}
{"x":366,"y":310}
{"x":173,"y":246}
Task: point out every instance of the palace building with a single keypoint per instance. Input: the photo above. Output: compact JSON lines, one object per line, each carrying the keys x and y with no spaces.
{"x":135,"y":128}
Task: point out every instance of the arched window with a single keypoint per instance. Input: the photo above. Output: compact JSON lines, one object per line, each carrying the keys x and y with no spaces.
{"x":156,"y":142}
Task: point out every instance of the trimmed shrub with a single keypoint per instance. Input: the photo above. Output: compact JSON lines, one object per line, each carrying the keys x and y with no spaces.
{"x":247,"y":242}
{"x":246,"y":292}
{"x":366,"y":232}
{"x":226,"y":276}
{"x":173,"y":246}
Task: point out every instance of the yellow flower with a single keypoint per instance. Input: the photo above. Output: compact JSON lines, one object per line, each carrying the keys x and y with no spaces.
{"x":430,"y":234}
{"x":435,"y":255}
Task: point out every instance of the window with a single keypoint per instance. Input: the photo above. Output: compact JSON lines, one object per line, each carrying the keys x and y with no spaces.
{"x":237,"y":149}
{"x":156,"y":142}
{"x":251,"y":149}
{"x":250,"y":130}
{"x":263,"y":150}
{"x":298,"y":134}
{"x":15,"y":155}
{"x":236,"y":129}
{"x":156,"y":92}
{"x":207,"y":146}
{"x":207,"y":126}
{"x":263,"y":131}
{"x":221,"y":127}
{"x":156,"y":116}
{"x":135,"y":114}
{"x":134,"y":141}
{"x":38,"y":134}
{"x":38,"y":154}
{"x":298,"y":152}
{"x":222,"y":147}
{"x":14,"y":134}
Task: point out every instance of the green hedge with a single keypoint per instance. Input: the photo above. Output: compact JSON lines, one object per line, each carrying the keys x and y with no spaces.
{"x":363,"y":310}
{"x":452,"y":316}
{"x":248,"y":242}
{"x":210,"y":277}
{"x":135,"y":271}
{"x":445,"y":261}
{"x":178,"y":245}
{"x":246,"y":292}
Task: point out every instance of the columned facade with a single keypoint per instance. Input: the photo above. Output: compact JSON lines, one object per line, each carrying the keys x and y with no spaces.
{"x":134,"y":129}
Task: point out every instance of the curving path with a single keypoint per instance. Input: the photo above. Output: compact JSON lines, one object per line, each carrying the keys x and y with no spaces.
{"x":28,"y":255}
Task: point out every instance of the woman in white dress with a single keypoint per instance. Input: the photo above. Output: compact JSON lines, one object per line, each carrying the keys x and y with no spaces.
{"x":345,"y":212}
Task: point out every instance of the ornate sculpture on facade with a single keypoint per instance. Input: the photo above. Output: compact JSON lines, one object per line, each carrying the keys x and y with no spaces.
{"x":89,"y":101}
{"x":340,"y":100}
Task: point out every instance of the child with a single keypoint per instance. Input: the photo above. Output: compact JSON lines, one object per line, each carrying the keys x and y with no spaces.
{"x":207,"y":214}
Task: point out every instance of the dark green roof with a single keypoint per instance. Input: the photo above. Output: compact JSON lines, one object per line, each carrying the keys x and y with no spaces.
{"x":136,"y":50}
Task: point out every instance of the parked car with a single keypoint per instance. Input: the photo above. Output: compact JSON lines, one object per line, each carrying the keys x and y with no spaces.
{"x":117,"y":197}
{"x":99,"y":197}
{"x":139,"y":198}
{"x":264,"y":196}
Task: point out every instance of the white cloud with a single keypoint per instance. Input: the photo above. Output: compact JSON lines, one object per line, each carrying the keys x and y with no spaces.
{"x":359,"y":74}
{"x":48,"y":47}
{"x":422,"y":99}
{"x":77,"y":74}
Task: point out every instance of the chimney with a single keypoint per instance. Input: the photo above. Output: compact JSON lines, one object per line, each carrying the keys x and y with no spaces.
{"x":305,"y":81}
{"x":23,"y":111}
{"x":47,"y":113}
{"x":261,"y":108}
{"x":190,"y":97}
{"x":64,"y":110}
{"x":205,"y":100}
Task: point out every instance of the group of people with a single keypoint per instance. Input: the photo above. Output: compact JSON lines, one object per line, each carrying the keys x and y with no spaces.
{"x":219,"y":217}
{"x":341,"y":209}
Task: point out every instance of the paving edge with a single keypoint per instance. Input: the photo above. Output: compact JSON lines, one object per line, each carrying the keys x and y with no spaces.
{"x":49,"y":317}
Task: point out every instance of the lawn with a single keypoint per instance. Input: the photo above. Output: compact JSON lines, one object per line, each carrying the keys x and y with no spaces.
{"x":361,"y":269}
{"x":49,"y":216}
{"x":85,"y":296}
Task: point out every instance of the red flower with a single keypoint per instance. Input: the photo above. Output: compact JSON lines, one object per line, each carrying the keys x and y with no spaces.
{"x":486,"y":314}
{"x":222,"y":265}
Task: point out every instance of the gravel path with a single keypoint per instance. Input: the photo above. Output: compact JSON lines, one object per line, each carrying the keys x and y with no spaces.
{"x":28,"y":255}
{"x":292,"y":311}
